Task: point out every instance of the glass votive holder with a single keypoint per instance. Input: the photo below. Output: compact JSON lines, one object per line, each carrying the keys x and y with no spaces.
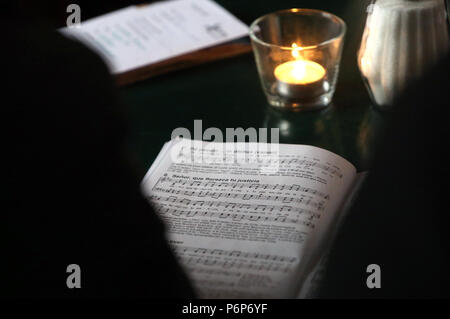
{"x":297,"y":53}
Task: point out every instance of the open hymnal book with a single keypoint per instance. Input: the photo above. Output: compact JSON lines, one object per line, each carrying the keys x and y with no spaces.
{"x":145,"y":40}
{"x":249,"y":220}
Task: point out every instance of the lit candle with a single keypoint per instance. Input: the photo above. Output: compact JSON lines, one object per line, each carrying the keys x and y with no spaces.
{"x":300,"y":79}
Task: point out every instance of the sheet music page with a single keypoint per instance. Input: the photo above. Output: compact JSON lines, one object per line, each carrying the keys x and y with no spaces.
{"x":239,"y":215}
{"x":139,"y":35}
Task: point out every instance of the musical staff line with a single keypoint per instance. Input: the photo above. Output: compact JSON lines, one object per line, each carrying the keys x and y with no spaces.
{"x":301,"y":162}
{"x":233,"y":253}
{"x":257,"y":208}
{"x":235,"y":264}
{"x":252,"y":186}
{"x":234,"y":216}
{"x":217,"y":195}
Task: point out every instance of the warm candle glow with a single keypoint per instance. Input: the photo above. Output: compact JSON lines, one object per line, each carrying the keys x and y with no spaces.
{"x":299,"y":71}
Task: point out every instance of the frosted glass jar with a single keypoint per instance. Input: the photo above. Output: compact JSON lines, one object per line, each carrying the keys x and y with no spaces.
{"x":401,"y":40}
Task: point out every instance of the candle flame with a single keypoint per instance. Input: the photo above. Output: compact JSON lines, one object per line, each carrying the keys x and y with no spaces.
{"x":299,"y":70}
{"x":295,"y":51}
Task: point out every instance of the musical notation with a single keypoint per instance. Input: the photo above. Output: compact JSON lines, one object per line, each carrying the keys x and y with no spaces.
{"x":308,"y":163}
{"x":235,"y":216}
{"x":273,"y":160}
{"x":235,"y":264}
{"x":251,"y":186}
{"x":216,"y":259}
{"x":233,"y":253}
{"x":245,"y":196}
{"x":254,"y":208}
{"x":244,"y":228}
{"x":213,"y":271}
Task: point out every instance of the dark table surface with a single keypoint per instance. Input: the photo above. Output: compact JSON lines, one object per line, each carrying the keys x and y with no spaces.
{"x":228,"y":94}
